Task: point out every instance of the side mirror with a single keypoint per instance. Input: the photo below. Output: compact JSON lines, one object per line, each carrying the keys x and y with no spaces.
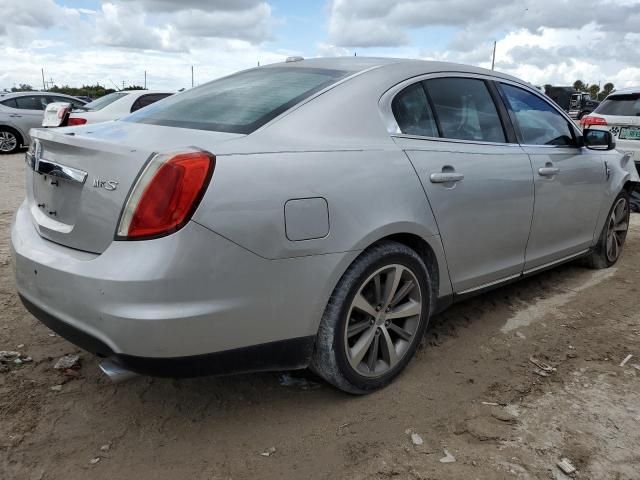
{"x":598,"y":139}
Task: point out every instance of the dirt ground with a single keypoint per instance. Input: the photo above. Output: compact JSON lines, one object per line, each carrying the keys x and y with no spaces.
{"x":472,"y":390}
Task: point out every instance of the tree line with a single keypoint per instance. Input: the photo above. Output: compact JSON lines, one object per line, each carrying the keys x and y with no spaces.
{"x":93,"y":91}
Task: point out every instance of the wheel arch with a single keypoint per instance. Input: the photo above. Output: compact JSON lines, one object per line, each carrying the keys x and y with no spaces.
{"x":630,"y":186}
{"x":430,"y":250}
{"x":428,"y":255}
{"x":21,"y":136}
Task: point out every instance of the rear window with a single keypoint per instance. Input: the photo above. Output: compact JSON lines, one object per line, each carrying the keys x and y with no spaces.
{"x":102,"y":102}
{"x":240,"y":103}
{"x":625,"y":105}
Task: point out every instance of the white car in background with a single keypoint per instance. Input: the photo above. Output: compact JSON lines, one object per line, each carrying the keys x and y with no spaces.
{"x":115,"y":106}
{"x":620,"y":114}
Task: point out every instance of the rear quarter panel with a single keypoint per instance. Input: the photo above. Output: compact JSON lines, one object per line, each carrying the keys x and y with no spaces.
{"x":370,"y":194}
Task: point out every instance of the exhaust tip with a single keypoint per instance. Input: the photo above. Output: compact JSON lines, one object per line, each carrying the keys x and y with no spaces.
{"x":116,"y":372}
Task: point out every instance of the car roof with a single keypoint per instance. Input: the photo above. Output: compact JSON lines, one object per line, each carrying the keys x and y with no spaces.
{"x":626,"y":91}
{"x":359,"y":64}
{"x":144,"y":91}
{"x":24,"y":94}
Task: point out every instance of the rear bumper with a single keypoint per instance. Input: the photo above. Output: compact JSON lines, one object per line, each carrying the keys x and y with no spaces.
{"x":189,"y":294}
{"x":284,"y":354}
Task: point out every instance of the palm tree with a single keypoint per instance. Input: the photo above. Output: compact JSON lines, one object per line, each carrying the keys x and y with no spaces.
{"x":608,"y":88}
{"x":579,"y":85}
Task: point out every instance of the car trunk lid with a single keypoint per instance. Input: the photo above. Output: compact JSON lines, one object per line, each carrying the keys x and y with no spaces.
{"x":80,"y":178}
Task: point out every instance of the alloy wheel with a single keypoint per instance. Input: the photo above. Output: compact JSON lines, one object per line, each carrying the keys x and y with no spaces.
{"x":383,"y":319}
{"x":8,"y":141}
{"x":617,"y":229}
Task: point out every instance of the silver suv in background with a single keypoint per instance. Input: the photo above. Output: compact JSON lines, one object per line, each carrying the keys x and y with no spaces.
{"x":22,"y":111}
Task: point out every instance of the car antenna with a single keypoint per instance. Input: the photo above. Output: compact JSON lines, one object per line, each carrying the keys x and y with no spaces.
{"x":117,"y":88}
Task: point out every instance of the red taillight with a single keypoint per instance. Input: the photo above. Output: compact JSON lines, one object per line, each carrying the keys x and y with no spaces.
{"x":589,"y":120}
{"x":62,"y":112}
{"x":166,"y":194}
{"x":76,"y":121}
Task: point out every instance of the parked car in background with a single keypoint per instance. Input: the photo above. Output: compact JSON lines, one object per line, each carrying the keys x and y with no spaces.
{"x":581,"y":104}
{"x":619,"y":113}
{"x":22,"y":111}
{"x":576,"y":104}
{"x":114,"y":106}
{"x":308,"y":213}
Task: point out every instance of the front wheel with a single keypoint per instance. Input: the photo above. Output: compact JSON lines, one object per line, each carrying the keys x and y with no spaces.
{"x":374,"y":320}
{"x":609,"y":247}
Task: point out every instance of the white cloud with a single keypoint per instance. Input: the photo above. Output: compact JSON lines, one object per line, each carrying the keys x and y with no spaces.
{"x":204,"y":5}
{"x":545,"y":41}
{"x":125,"y":26}
{"x":328,"y":50}
{"x":123,"y":38}
{"x":251,"y":24}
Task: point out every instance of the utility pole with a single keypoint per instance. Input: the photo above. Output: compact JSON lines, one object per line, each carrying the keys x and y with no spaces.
{"x":145,"y":79}
{"x":44,"y":85}
{"x":493,"y":60}
{"x":191,"y":76}
{"x":123,"y":84}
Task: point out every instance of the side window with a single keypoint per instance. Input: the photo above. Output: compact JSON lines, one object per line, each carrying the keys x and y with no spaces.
{"x":74,"y":103}
{"x":137,"y":105}
{"x":465,"y":109}
{"x":539,"y":123}
{"x":412,"y":112}
{"x":36,"y":102}
{"x":146,"y":100}
{"x":10,"y":103}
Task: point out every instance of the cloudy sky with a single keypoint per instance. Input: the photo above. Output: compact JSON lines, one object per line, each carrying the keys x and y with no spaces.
{"x":115,"y":41}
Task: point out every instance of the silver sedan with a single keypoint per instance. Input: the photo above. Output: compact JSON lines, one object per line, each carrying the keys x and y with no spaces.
{"x":313,"y":213}
{"x":22,"y":111}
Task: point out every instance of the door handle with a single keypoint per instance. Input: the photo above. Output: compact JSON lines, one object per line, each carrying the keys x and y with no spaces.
{"x":548,"y":171}
{"x":15,"y":115}
{"x":446,"y":177}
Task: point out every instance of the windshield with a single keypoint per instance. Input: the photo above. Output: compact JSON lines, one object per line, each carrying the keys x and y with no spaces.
{"x":240,"y":103}
{"x":104,"y":101}
{"x":625,"y":105}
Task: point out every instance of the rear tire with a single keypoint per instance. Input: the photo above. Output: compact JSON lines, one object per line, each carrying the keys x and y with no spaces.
{"x":10,"y":140}
{"x":609,"y":247}
{"x":375,"y":319}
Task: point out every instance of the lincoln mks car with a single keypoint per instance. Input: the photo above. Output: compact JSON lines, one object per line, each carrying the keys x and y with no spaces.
{"x":313,"y":213}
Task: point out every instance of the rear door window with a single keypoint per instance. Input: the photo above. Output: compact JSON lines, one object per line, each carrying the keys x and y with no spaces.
{"x":146,"y":100}
{"x":74,"y":103}
{"x":465,"y":109}
{"x":240,"y":103}
{"x":623,"y":105}
{"x":31,"y":102}
{"x":11,"y":103}
{"x":539,"y":123}
{"x":412,"y":112}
